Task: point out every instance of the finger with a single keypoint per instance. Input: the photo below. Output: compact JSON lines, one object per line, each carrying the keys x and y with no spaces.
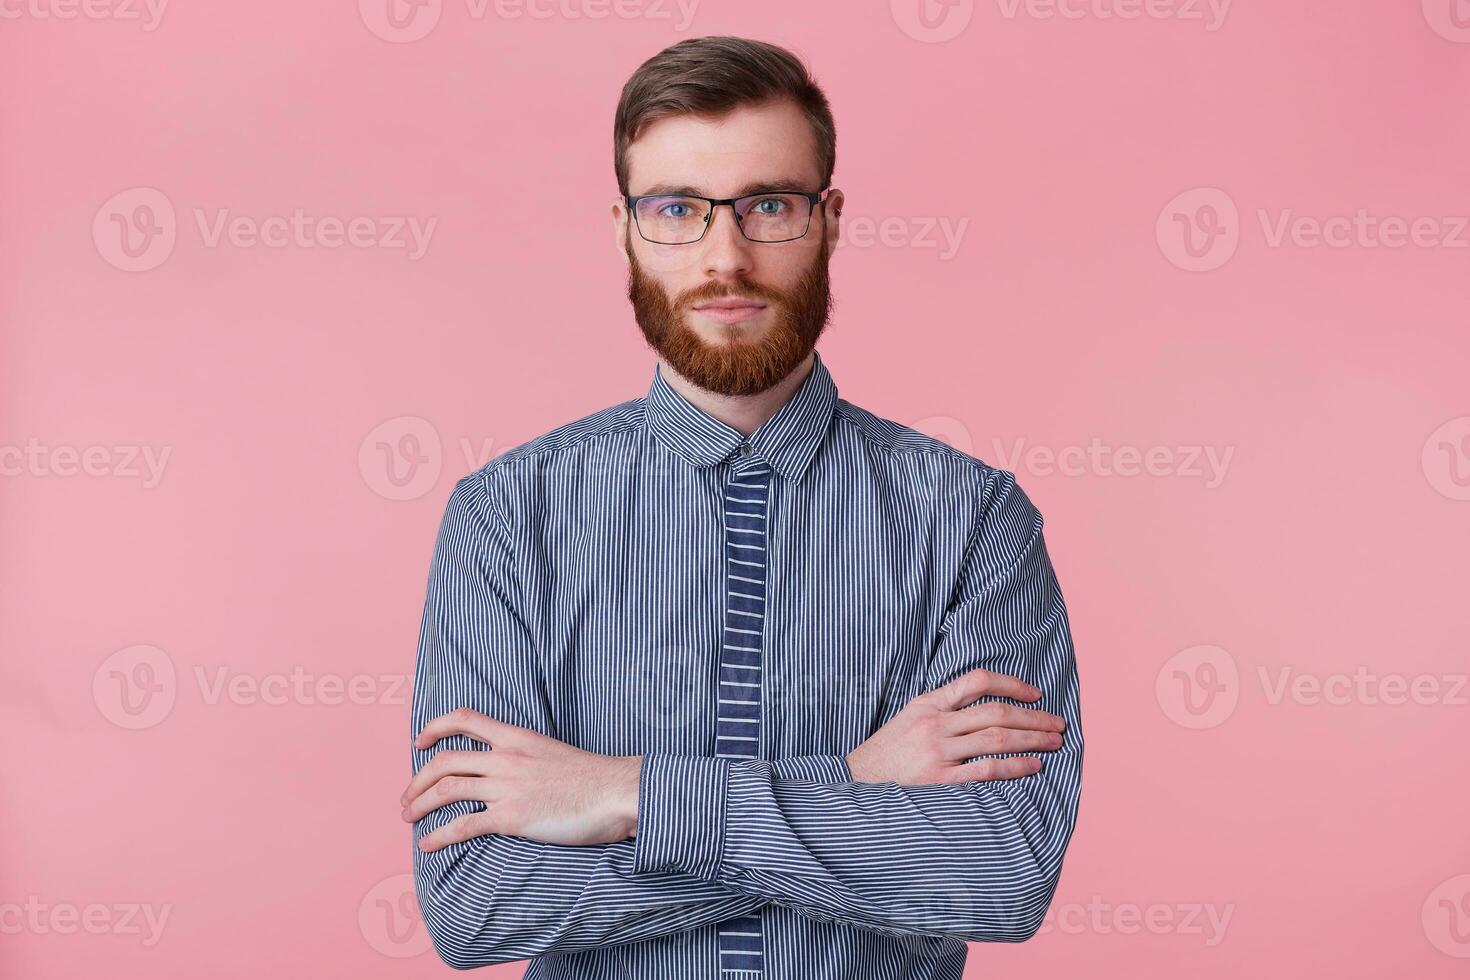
{"x":977,"y":683}
{"x":998,"y":714}
{"x":450,"y":789}
{"x":448,"y":763}
{"x":985,"y":770}
{"x":463,"y":828}
{"x":467,"y":721}
{"x":999,"y":741}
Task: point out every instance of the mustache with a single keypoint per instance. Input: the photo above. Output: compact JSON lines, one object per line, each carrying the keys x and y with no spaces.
{"x":742,"y":289}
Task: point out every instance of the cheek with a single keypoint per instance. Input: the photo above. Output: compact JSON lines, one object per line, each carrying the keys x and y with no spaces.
{"x":673,"y":266}
{"x":783,"y":269}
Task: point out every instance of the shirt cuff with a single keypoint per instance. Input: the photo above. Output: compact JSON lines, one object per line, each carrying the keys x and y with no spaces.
{"x":681,"y":815}
{"x":818,"y":768}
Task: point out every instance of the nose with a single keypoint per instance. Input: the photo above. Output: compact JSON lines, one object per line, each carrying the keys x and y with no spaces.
{"x":727,"y":251}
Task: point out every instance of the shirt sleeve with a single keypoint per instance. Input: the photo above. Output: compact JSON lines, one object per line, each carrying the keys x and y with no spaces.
{"x":498,"y":898}
{"x":971,"y":861}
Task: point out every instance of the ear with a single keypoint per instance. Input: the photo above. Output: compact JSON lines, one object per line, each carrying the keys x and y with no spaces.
{"x":620,"y":228}
{"x":833,"y":208}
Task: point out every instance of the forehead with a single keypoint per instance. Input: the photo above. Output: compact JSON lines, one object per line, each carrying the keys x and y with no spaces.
{"x":717,"y":156}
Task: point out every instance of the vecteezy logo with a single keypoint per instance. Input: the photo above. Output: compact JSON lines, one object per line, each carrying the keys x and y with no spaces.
{"x":1199,"y":229}
{"x":1198,"y":687}
{"x":135,"y":687}
{"x":400,"y":459}
{"x":1450,"y":19}
{"x":400,"y":21}
{"x":932,"y":21}
{"x":135,"y":229}
{"x":1446,"y":917}
{"x":1446,"y":458}
{"x":390,"y":920}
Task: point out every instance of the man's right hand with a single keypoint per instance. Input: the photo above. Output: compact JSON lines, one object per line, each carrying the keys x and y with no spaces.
{"x":930,"y":739}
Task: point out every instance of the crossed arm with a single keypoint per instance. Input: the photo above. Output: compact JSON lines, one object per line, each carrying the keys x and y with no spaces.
{"x":716,"y":838}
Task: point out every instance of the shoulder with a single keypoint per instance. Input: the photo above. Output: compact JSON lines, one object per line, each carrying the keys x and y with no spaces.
{"x":567,"y":438}
{"x":486,"y":485}
{"x":900,"y":443}
{"x":999,"y":508}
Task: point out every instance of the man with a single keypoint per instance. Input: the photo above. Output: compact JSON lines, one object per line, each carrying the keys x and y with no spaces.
{"x":728,"y":681}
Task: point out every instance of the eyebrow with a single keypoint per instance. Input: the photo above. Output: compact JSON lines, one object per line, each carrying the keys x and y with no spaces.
{"x":753,"y":187}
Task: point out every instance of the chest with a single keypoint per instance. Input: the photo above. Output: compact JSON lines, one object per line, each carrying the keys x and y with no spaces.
{"x":629,"y":603}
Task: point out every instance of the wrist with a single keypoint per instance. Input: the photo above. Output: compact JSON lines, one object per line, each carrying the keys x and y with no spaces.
{"x":629,"y":771}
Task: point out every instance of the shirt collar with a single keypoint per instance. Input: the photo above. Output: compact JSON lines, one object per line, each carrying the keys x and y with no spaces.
{"x":787,"y":440}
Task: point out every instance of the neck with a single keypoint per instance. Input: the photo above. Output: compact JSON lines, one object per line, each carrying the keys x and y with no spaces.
{"x":745,"y":413}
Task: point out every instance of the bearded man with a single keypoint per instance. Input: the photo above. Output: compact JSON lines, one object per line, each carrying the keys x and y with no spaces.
{"x":738,"y":680}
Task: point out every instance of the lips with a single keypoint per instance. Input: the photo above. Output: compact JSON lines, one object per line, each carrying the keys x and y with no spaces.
{"x":730,"y":311}
{"x":730,"y":304}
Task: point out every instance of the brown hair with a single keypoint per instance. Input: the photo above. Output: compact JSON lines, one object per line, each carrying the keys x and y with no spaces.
{"x":711,"y":76}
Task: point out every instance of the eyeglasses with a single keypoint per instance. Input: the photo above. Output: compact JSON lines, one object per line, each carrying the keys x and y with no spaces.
{"x":682,"y":219}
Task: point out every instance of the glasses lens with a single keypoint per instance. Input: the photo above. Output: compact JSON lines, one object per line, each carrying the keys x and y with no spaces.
{"x":774,"y":217}
{"x":671,"y":220}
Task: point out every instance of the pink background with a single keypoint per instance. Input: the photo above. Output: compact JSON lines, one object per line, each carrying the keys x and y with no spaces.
{"x":1227,"y":827}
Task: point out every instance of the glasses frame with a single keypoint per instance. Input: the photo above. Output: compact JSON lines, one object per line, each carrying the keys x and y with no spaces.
{"x":813,"y":198}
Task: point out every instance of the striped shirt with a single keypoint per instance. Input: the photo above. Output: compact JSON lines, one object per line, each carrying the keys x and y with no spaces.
{"x":581,"y":586}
